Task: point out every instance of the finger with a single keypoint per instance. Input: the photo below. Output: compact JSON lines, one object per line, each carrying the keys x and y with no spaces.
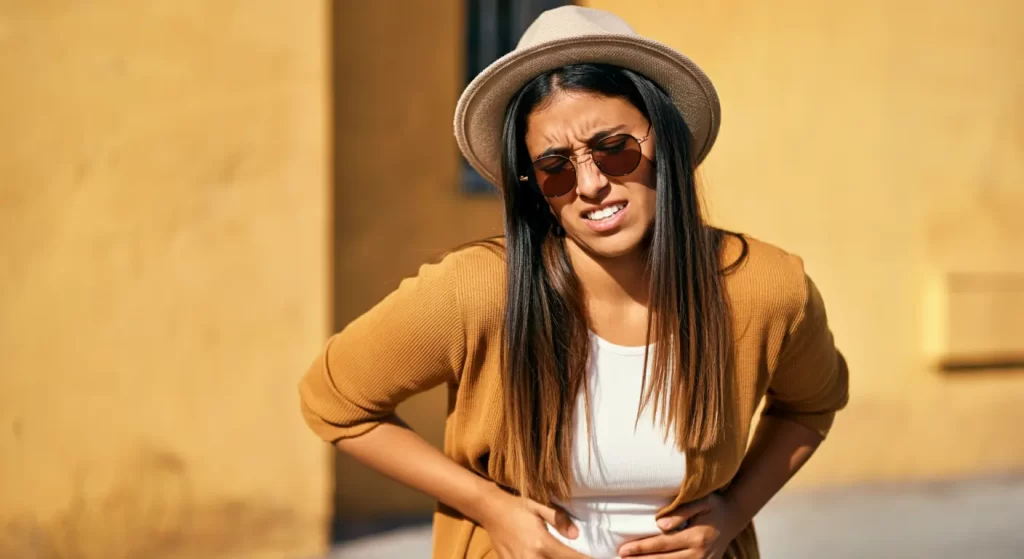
{"x":556,"y":517}
{"x":663,"y":543}
{"x":683,"y":513}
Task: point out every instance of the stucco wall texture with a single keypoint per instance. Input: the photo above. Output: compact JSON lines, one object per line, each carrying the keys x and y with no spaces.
{"x":164,"y":205}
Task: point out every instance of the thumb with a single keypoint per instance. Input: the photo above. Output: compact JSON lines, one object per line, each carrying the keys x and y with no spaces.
{"x":682,"y":514}
{"x":556,"y":517}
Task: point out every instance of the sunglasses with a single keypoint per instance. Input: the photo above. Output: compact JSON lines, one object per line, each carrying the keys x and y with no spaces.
{"x":615,"y":156}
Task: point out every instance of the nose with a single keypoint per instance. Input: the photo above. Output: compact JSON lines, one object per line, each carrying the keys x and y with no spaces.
{"x":590,"y":181}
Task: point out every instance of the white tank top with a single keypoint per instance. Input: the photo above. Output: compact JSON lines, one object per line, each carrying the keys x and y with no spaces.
{"x":633,"y":471}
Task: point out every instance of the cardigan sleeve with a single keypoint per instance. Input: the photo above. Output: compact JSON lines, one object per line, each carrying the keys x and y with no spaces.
{"x":409,"y":342}
{"x":810,"y":382}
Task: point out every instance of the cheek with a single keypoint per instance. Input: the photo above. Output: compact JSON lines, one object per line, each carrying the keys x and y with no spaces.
{"x":646,"y":199}
{"x":647,"y":207}
{"x":560,"y":208}
{"x":647,"y":186}
{"x":650,"y":170}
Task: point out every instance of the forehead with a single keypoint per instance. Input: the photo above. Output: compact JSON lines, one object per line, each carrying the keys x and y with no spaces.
{"x":570,"y":118}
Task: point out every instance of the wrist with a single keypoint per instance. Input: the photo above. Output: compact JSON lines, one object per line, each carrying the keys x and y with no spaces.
{"x":738,"y":514}
{"x":486,"y":502}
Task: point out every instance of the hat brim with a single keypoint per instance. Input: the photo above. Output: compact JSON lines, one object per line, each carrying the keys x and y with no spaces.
{"x":480,"y":113}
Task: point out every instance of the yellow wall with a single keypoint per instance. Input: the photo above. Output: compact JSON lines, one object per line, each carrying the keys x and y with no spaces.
{"x":163,"y":277}
{"x":398,"y":73}
{"x":883,"y":142}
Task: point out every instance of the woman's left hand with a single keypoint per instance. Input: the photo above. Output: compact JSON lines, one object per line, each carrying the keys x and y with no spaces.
{"x":709,"y":524}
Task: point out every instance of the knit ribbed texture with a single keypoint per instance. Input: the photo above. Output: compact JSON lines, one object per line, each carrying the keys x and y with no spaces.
{"x":444,"y":326}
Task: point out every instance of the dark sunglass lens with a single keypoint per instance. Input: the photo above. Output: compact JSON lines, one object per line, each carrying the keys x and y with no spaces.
{"x":559,"y":184}
{"x":556,"y":175}
{"x":617,"y":156}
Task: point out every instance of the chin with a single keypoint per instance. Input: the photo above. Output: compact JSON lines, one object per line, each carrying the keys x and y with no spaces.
{"x":619,"y":244}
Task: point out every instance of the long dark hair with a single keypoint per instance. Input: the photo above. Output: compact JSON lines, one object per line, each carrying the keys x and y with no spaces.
{"x":545,"y":342}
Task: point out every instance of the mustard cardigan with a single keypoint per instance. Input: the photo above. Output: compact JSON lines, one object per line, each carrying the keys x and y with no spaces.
{"x":443,"y":326}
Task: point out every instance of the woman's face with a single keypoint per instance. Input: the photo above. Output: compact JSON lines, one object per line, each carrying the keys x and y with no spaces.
{"x":606,"y":216}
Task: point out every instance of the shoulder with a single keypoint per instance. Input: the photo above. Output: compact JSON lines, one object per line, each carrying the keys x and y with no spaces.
{"x":474,"y":269}
{"x":466,"y":267}
{"x":766,"y":280}
{"x":478,"y":261}
{"x":475,"y":273}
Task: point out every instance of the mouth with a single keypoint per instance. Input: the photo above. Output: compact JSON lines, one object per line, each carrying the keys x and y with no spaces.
{"x":606,"y":213}
{"x":606,"y":220}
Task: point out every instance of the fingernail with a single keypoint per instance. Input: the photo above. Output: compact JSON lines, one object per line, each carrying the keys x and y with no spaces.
{"x":664,"y":523}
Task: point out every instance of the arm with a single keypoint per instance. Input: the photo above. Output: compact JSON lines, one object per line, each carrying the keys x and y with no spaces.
{"x":423,"y":468}
{"x":412,"y":341}
{"x":409,"y":342}
{"x":809,"y":385}
{"x":515,"y":530}
{"x":779,"y":449}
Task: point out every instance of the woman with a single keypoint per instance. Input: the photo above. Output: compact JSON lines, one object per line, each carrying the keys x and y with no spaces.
{"x":605,"y":359}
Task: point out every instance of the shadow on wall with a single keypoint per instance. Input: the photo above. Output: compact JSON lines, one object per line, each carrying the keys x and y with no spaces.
{"x":150,"y":511}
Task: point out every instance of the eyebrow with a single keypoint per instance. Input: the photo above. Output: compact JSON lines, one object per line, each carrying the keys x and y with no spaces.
{"x":596,"y":137}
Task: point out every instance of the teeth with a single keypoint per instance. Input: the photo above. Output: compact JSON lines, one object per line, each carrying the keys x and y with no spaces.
{"x":605,"y":213}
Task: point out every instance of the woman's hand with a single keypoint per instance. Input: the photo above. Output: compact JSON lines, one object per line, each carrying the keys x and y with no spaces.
{"x":518,"y":529}
{"x":698,"y":530}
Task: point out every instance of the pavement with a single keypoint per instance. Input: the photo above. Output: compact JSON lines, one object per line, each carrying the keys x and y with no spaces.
{"x":982,"y":518}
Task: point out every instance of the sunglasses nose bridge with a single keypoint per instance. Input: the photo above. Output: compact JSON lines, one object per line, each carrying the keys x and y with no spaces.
{"x":589,"y":176}
{"x":582,"y":161}
{"x":583,"y":157}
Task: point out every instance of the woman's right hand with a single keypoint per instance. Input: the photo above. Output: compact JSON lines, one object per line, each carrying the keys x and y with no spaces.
{"x":518,"y":529}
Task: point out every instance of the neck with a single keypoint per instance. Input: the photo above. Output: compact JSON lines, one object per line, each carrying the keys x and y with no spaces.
{"x":611,"y":282}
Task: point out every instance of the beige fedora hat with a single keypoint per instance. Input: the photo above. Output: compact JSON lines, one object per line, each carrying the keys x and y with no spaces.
{"x":575,"y":35}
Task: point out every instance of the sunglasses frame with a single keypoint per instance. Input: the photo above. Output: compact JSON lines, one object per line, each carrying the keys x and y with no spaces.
{"x":572,"y":161}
